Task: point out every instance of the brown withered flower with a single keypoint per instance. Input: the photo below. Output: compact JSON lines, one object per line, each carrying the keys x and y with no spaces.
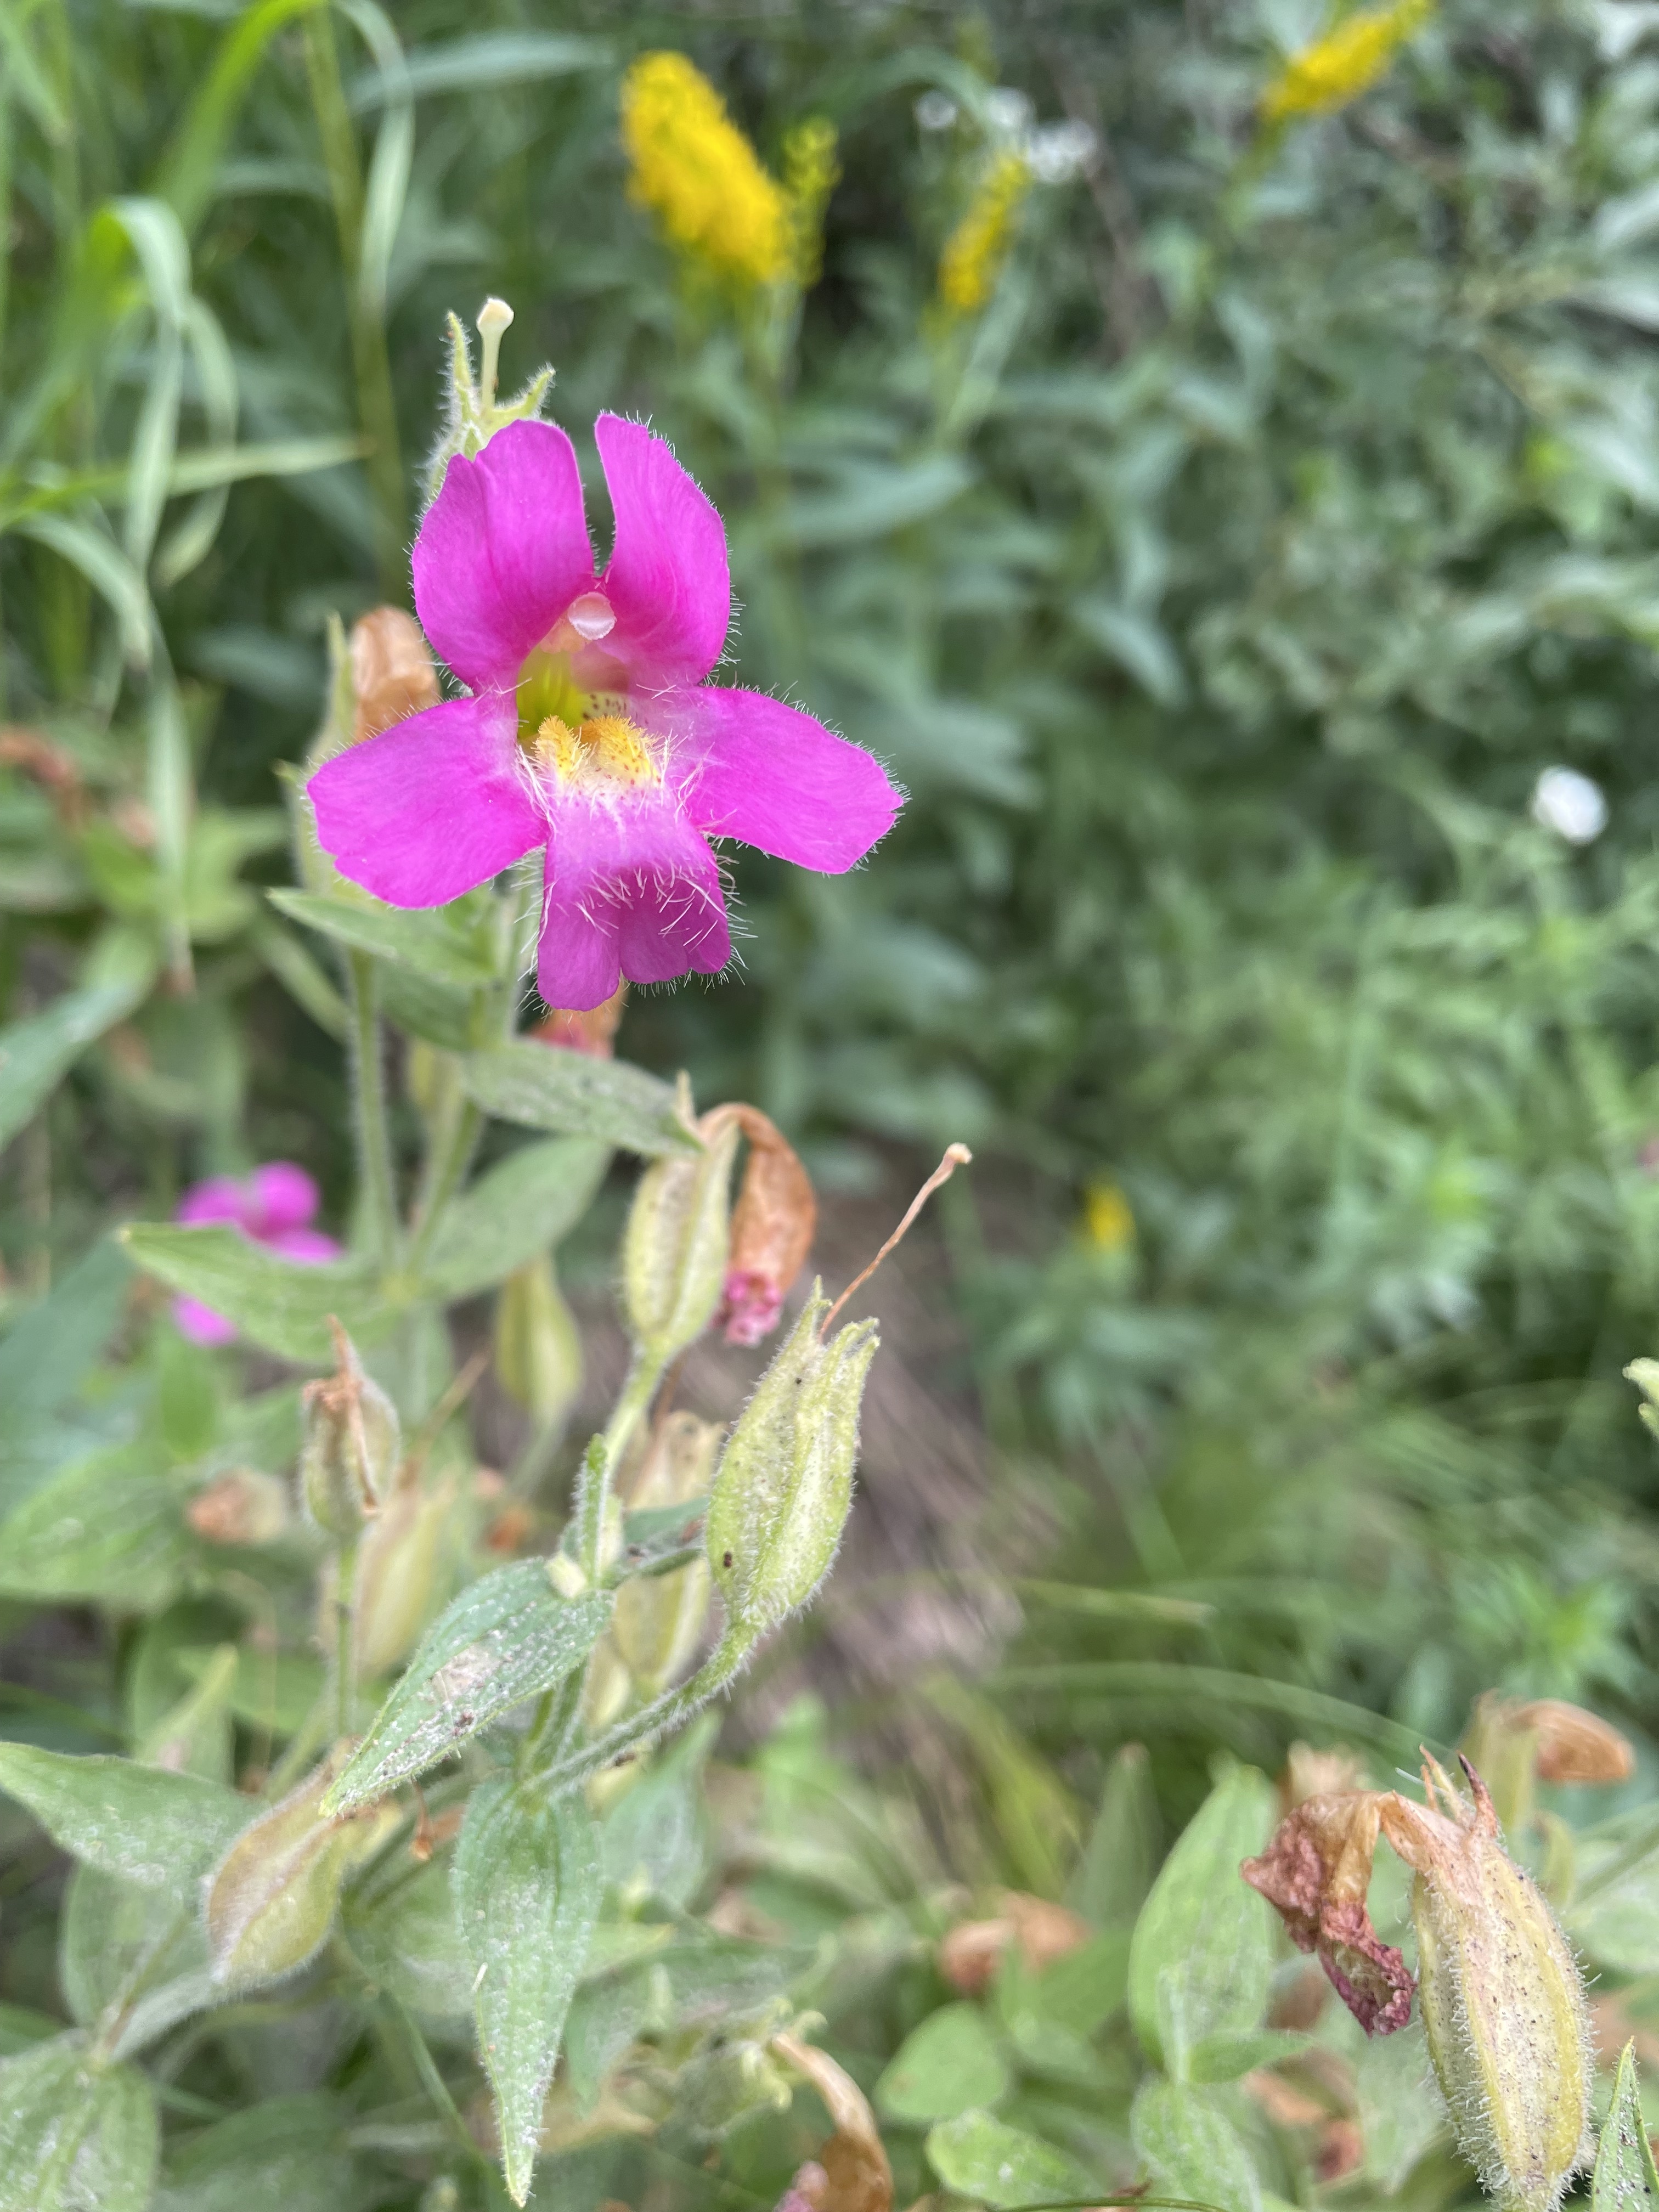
{"x":392,"y":672}
{"x":772,"y":1225}
{"x":851,"y":2173}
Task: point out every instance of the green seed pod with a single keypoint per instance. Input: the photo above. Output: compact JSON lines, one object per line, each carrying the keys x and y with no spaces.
{"x":538,"y":1349}
{"x":659,"y":1618}
{"x":349,"y":1443}
{"x":1503,"y":2004}
{"x":272,"y":1900}
{"x":784,"y":1486}
{"x":396,"y":1574}
{"x":675,"y":1249}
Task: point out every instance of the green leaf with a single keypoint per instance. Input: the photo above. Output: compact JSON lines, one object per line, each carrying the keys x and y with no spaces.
{"x":287,"y":2154}
{"x":984,"y":2159}
{"x":952,"y":2062}
{"x":514,"y":1213}
{"x":1115,"y":1874}
{"x":656,"y":1836}
{"x":73,"y":2136}
{"x":46,"y":1356}
{"x":407,"y":1938}
{"x":1225,"y":2057}
{"x":112,"y":1932}
{"x":505,"y":1638}
{"x":35,"y":1053}
{"x":606,"y":2017}
{"x":1203,"y":1953}
{"x":528,"y":1884}
{"x":108,"y":1527}
{"x":1191,"y":2148}
{"x":441,"y":1013}
{"x":1623,"y":2178}
{"x":163,"y":1830}
{"x":547,"y":1087}
{"x":486,"y":59}
{"x":437,"y":944}
{"x":1081,"y":1991}
{"x":273,"y":1303}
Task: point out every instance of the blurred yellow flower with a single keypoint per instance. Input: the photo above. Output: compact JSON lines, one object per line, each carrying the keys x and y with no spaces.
{"x":976,"y":250}
{"x":1109,"y":1221}
{"x":811,"y":174}
{"x":699,"y":175}
{"x":1345,"y":62}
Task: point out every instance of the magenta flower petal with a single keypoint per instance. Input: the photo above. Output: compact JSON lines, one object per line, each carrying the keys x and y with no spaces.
{"x":667,"y":580}
{"x":284,"y":1197}
{"x":437,"y":805}
{"x":201,"y":1324}
{"x":305,"y":1248}
{"x":771,"y":776}
{"x":631,"y":890}
{"x":220,"y":1198}
{"x":502,"y":551}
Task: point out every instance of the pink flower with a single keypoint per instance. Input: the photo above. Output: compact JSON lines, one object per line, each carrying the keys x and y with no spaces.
{"x":590,"y":730}
{"x":274,"y":1206}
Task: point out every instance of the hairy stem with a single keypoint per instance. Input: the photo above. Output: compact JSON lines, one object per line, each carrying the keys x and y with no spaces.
{"x":654,"y":1720}
{"x":345,"y":1575}
{"x":369,"y":1108}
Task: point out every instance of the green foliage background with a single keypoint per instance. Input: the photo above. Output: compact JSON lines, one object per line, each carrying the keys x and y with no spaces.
{"x":1218,"y":593}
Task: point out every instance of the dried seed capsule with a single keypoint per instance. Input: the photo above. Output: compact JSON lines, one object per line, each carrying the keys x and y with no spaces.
{"x":784,"y":1486}
{"x":240,"y":1506}
{"x":349,"y":1443}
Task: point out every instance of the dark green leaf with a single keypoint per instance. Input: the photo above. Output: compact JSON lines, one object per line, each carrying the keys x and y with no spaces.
{"x":287,"y":2154}
{"x":656,"y":1836}
{"x":548,"y":1087}
{"x":528,"y":1882}
{"x":505,"y":1638}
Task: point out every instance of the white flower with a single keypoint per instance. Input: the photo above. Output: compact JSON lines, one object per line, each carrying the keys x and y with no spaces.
{"x":1571,"y":804}
{"x":1006,"y":111}
{"x":936,"y":110}
{"x":1056,"y":152}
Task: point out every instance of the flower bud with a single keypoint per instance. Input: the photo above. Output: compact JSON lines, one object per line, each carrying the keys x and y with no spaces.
{"x":538,"y":1347}
{"x":784,"y":1486}
{"x":272,"y":1900}
{"x":593,"y":1031}
{"x":350,"y":1443}
{"x":659,"y":1618}
{"x":1503,"y":2005}
{"x":392,"y":672}
{"x":675,"y":1249}
{"x":241,"y":1506}
{"x":397,"y":1564}
{"x":771,"y":1229}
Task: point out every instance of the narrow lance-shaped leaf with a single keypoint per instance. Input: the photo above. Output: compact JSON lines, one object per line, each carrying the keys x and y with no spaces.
{"x":35,"y":1053}
{"x":142,"y":1823}
{"x":514,"y":1213}
{"x":548,"y":1087}
{"x":273,"y":1301}
{"x":529,"y":1880}
{"x":508,"y":1637}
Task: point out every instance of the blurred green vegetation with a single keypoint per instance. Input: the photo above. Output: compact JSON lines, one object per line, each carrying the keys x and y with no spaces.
{"x":1220,"y":590}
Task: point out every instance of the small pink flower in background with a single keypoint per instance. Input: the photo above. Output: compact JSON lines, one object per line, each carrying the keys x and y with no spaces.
{"x":274,"y":1206}
{"x":590,"y":730}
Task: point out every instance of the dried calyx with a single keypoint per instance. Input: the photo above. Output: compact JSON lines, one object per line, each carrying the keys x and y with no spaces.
{"x":1503,"y":2002}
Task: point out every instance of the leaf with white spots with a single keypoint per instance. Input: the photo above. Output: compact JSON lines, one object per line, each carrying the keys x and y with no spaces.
{"x":505,"y":1638}
{"x":529,"y":1881}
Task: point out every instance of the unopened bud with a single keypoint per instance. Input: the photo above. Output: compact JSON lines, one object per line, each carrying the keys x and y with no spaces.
{"x":538,"y":1347}
{"x":772,"y":1229}
{"x":674,"y":1253}
{"x":272,"y":1901}
{"x":241,"y":1506}
{"x":350,"y":1443}
{"x":784,"y":1486}
{"x":397,"y":1574}
{"x":392,"y":672}
{"x":659,"y":1618}
{"x":1503,"y":2002}
{"x":591,"y":1030}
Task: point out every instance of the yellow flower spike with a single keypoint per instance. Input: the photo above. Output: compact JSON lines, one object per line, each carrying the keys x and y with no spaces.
{"x":1108,"y":1221}
{"x":700,"y":176}
{"x":811,"y":174}
{"x":1347,"y":61}
{"x":976,"y":249}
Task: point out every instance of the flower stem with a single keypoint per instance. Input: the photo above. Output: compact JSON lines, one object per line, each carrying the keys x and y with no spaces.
{"x":446,"y":1166}
{"x":369,"y":1105}
{"x":651,"y":1721}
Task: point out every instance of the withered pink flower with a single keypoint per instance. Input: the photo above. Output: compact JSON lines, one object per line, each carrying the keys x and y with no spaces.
{"x":590,"y":732}
{"x":276,"y":1206}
